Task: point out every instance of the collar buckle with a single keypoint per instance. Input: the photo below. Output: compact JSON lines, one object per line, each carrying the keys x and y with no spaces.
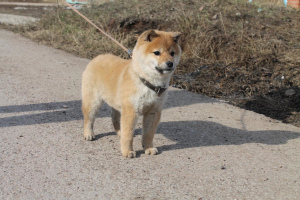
{"x":158,"y":91}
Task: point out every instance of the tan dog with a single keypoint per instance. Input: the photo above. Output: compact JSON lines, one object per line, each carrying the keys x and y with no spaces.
{"x":131,"y":88}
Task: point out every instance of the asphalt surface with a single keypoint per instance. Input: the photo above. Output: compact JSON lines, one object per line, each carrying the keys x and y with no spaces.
{"x":208,"y":149}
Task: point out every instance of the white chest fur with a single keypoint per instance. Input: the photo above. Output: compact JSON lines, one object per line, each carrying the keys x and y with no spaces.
{"x":147,"y":99}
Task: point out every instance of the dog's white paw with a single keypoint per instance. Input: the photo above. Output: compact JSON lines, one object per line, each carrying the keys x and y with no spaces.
{"x":129,"y":154}
{"x":89,"y":137}
{"x":151,"y":151}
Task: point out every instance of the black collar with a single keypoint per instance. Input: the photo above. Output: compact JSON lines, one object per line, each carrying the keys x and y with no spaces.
{"x":157,"y":89}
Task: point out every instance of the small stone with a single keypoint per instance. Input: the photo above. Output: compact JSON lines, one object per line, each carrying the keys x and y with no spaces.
{"x":289,"y":92}
{"x":215,"y":16}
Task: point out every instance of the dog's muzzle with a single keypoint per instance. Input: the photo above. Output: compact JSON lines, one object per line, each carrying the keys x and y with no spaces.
{"x":169,"y":67}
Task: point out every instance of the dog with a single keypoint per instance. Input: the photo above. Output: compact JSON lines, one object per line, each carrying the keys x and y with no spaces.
{"x":132,"y":88}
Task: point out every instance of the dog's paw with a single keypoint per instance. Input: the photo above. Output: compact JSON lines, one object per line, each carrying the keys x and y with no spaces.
{"x":151,"y":151}
{"x":89,"y":137}
{"x":119,"y":133}
{"x":129,"y":154}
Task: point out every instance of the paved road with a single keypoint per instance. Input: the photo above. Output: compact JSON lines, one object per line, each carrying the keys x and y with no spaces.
{"x":208,"y":149}
{"x":16,"y":19}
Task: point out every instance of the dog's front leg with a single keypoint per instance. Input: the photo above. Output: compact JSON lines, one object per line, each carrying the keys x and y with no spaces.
{"x":150,"y":123}
{"x":128,"y":121}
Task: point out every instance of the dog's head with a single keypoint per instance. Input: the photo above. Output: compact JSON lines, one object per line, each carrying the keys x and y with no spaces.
{"x":157,"y":52}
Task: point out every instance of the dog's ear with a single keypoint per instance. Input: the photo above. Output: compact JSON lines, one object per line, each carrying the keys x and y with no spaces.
{"x":150,"y":35}
{"x":176,"y":36}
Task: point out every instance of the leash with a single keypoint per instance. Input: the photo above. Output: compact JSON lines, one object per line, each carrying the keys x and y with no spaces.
{"x":103,"y":32}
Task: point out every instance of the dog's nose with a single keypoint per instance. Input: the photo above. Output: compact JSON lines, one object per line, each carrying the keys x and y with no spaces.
{"x":169,"y":64}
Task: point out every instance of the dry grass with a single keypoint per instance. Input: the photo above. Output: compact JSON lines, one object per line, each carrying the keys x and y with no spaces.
{"x":268,"y":2}
{"x":233,"y":50}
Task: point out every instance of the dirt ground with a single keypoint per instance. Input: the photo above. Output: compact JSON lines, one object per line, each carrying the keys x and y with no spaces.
{"x":208,"y":149}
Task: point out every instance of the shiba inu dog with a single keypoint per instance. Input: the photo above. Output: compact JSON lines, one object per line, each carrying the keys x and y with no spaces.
{"x":132,"y":88}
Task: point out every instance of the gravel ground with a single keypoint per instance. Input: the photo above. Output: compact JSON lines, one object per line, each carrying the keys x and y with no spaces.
{"x":208,"y":149}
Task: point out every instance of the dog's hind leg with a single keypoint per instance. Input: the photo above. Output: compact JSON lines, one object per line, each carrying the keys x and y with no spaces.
{"x":150,"y":123}
{"x":116,"y":116}
{"x":90,"y":108}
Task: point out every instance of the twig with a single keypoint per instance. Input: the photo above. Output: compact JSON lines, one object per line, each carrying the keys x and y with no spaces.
{"x":223,"y":24}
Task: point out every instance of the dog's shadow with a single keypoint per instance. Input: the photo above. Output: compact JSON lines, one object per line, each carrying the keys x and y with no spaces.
{"x":43,"y":113}
{"x":193,"y":134}
{"x":186,"y":134}
{"x":55,"y":112}
{"x":190,"y":134}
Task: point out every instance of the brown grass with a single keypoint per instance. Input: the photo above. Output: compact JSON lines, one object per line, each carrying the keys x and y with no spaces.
{"x":233,"y":50}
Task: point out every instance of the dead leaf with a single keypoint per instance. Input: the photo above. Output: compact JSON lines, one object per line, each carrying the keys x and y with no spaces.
{"x":216,"y":16}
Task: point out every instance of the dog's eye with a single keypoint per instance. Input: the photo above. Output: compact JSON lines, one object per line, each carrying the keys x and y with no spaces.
{"x":157,"y":53}
{"x":172,"y":53}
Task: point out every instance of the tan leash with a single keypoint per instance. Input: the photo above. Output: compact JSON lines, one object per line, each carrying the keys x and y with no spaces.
{"x":84,"y":17}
